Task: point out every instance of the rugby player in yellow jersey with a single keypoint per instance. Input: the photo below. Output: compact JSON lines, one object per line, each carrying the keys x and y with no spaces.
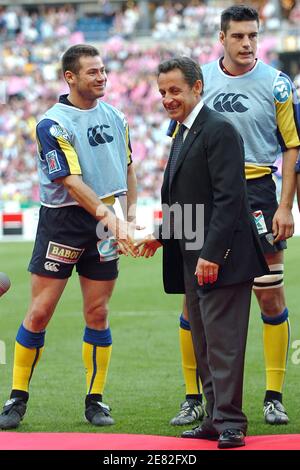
{"x":84,"y":162}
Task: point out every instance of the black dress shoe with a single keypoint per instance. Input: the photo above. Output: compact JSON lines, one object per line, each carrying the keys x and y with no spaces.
{"x":201,"y":433}
{"x":231,"y":438}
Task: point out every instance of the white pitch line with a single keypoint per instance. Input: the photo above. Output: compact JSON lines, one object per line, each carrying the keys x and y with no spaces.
{"x":130,"y":313}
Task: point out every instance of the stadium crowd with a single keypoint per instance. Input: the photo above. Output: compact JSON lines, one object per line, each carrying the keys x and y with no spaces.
{"x":31,"y":46}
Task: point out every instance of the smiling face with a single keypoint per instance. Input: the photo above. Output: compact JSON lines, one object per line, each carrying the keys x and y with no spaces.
{"x":178,"y":97}
{"x":240,"y":45}
{"x":89,"y":83}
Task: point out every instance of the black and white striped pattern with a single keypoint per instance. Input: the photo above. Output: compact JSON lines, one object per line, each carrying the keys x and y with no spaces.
{"x":274,"y":280}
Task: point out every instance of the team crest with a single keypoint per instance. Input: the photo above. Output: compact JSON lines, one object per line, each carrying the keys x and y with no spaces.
{"x":52,"y":162}
{"x":282,"y":89}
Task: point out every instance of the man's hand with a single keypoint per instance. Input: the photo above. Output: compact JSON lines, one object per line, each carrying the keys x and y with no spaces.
{"x":206,"y":272}
{"x":123,"y":232}
{"x":124,"y":238}
{"x":283,"y":224}
{"x":148,"y":246}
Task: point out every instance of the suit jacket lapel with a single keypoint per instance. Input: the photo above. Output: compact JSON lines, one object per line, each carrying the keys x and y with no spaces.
{"x":192,"y":134}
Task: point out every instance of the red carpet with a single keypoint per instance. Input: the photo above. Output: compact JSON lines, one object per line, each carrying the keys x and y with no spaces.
{"x":76,"y":441}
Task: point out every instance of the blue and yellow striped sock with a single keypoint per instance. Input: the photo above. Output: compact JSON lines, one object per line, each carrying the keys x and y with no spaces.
{"x":276,"y":334}
{"x":28,"y":350}
{"x":188,"y":360}
{"x":96,"y":353}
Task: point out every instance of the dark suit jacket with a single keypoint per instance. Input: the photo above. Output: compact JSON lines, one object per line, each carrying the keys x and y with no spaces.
{"x":210,"y":171}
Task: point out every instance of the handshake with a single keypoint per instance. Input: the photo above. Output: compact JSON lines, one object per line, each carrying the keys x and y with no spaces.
{"x":206,"y":271}
{"x":123,"y":232}
{"x":126,"y":245}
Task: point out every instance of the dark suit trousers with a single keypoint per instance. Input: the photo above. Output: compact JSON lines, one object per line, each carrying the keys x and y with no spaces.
{"x":219,"y":324}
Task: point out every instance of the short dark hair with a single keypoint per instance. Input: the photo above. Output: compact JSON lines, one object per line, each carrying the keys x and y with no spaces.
{"x":70,"y":59}
{"x":190,"y":69}
{"x":238,"y":13}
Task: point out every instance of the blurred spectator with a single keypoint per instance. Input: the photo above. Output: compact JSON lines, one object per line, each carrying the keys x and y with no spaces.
{"x":294,"y":16}
{"x":270,"y":16}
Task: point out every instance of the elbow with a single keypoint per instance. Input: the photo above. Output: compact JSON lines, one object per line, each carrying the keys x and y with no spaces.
{"x":69,"y":182}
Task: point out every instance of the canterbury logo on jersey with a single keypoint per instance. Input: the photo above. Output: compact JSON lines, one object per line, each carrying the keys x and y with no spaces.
{"x":230,"y":102}
{"x":97,"y":135}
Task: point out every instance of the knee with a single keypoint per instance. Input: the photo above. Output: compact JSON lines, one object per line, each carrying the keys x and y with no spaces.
{"x":96,"y":315}
{"x":37,"y":319}
{"x":271,"y":302}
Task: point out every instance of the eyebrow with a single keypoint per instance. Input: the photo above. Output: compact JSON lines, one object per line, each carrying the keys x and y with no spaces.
{"x":173,"y":87}
{"x":254,"y":33}
{"x":96,"y":68}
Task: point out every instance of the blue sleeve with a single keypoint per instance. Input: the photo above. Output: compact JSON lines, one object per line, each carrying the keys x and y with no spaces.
{"x":56,"y":150}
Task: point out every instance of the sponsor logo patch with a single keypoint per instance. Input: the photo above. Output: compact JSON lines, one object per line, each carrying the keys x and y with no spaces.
{"x":54,"y":267}
{"x":230,"y":103}
{"x":97,"y":135}
{"x":63,"y":253}
{"x":260,"y":222}
{"x":107,"y":250}
{"x":282,"y":89}
{"x":52,"y":162}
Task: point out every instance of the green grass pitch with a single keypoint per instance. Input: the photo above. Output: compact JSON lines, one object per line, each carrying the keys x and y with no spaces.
{"x":145,"y":385}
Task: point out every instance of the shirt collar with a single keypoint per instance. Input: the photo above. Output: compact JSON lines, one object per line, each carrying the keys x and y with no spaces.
{"x":64,"y":100}
{"x":189,"y":120}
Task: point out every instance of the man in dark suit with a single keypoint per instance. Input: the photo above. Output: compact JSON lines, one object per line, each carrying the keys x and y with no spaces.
{"x":212,"y":259}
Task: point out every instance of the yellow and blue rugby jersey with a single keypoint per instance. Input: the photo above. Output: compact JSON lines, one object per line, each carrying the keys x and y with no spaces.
{"x":55,"y":148}
{"x":92,"y":143}
{"x":263,"y":106}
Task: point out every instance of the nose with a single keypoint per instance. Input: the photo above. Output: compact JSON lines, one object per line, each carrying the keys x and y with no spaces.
{"x":167,"y":99}
{"x":101,"y":76}
{"x":246,"y":42}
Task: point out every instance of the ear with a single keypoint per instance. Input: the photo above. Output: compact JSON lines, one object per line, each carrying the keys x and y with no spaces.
{"x":222,"y":37}
{"x":198,"y":87}
{"x":69,"y":77}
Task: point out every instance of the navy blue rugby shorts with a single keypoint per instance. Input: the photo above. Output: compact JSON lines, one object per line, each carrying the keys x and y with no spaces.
{"x":67,"y":237}
{"x":263,"y":204}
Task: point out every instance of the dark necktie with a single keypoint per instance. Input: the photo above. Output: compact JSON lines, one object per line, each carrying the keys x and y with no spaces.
{"x":177,"y":144}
